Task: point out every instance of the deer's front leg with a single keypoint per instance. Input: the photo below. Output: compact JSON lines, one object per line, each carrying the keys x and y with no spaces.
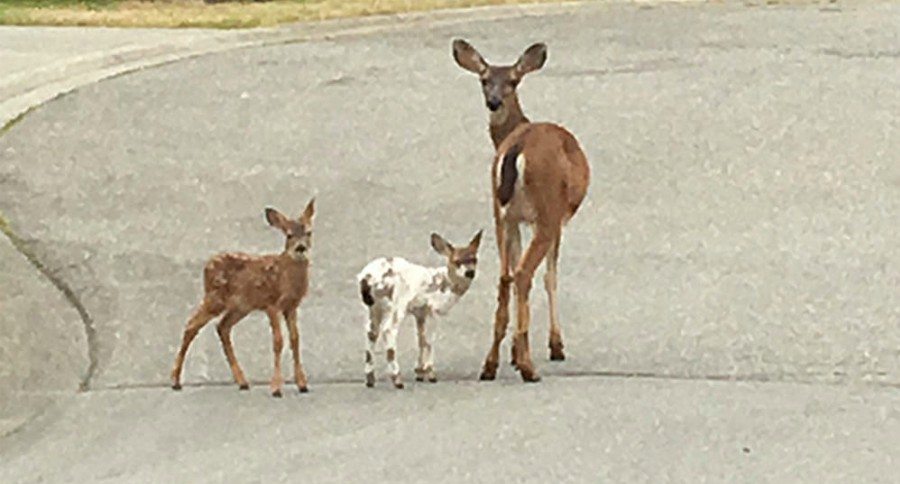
{"x":294,"y":331}
{"x":390,"y":342}
{"x":277,"y":346}
{"x":425,"y":369}
{"x":501,"y":315}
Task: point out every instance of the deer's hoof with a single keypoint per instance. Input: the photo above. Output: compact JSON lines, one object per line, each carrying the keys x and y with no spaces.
{"x":370,"y":380}
{"x":556,"y":351}
{"x":489,"y":372}
{"x":432,"y":379}
{"x":530,"y":376}
{"x":244,"y":386}
{"x":304,"y":389}
{"x":420,"y":378}
{"x":276,"y":393}
{"x":176,"y":386}
{"x":398,"y":385}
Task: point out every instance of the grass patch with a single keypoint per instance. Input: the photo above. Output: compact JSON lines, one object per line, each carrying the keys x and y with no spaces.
{"x":196,"y":13}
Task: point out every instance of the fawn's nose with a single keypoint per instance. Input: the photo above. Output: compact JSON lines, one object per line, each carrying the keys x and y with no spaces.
{"x":494,"y":103}
{"x":470,"y":273}
{"x":301,"y":249}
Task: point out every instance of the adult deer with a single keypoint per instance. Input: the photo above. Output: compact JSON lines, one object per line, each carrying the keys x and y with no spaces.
{"x":539,"y":177}
{"x":238,"y":284}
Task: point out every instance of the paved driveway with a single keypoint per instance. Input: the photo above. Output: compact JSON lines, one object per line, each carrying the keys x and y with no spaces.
{"x":741,"y":224}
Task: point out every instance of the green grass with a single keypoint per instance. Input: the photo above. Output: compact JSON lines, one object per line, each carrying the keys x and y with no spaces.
{"x":196,"y":13}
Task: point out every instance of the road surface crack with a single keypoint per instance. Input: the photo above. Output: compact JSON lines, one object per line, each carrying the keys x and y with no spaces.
{"x":90,"y":331}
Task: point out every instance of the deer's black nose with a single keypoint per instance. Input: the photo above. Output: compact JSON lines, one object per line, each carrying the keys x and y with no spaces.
{"x":494,"y":104}
{"x":470,"y":273}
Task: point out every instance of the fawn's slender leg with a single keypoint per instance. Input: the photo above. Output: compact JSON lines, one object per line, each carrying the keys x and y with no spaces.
{"x":294,"y":331}
{"x":501,"y":316}
{"x":198,"y":320}
{"x":277,"y":346}
{"x":224,"y":329}
{"x":390,"y":343}
{"x":556,"y":344}
{"x":425,"y":369}
{"x":373,"y":329}
{"x":524,"y":274}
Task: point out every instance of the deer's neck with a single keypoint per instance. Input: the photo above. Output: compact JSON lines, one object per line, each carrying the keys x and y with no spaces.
{"x":294,"y":270}
{"x":506,"y":119}
{"x":444,"y":290}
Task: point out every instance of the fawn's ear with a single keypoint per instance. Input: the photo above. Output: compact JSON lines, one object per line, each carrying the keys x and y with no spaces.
{"x":276,"y":219}
{"x":440,"y":245}
{"x":532,"y":59}
{"x":467,"y":57}
{"x":309,"y":212}
{"x":476,"y":241}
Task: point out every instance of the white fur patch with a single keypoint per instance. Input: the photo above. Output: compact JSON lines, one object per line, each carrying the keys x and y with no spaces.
{"x":401,"y":288}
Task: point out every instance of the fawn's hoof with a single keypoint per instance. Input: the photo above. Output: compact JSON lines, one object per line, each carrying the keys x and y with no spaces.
{"x":399,"y":385}
{"x":276,"y":393}
{"x":432,"y":379}
{"x":176,"y":386}
{"x":304,"y":389}
{"x":244,"y":386}
{"x":370,"y":380}
{"x":489,"y":372}
{"x":556,"y":351}
{"x":420,"y":378}
{"x":528,"y":373}
{"x":530,"y":376}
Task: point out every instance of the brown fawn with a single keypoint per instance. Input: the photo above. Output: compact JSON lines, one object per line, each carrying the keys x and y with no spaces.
{"x":238,"y":284}
{"x":539,"y":177}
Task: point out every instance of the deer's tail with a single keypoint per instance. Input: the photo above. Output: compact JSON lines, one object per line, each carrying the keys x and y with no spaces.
{"x":365,"y":290}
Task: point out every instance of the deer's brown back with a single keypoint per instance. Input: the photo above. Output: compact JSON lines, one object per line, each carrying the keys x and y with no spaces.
{"x":246,"y":282}
{"x":557,"y":173}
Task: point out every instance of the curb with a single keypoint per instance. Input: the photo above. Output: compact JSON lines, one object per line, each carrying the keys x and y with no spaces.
{"x":24,"y":91}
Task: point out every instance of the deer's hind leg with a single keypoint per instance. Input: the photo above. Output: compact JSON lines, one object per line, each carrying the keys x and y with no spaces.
{"x":514,"y":253}
{"x":501,"y":315}
{"x":206,"y":312}
{"x":556,"y":344}
{"x":228,"y":321}
{"x":524,"y":274}
{"x":377,"y":314}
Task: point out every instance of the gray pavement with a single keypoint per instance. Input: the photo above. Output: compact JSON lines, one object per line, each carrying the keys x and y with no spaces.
{"x":741,"y":225}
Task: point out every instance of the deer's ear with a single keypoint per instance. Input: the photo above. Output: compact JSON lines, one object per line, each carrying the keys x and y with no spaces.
{"x":440,"y":245}
{"x":476,"y":241}
{"x":532,"y":59}
{"x":467,"y":57}
{"x":276,"y":219}
{"x":309,"y":212}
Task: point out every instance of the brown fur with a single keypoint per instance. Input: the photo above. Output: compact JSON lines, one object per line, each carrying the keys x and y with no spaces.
{"x":237,"y":284}
{"x":553,"y":185}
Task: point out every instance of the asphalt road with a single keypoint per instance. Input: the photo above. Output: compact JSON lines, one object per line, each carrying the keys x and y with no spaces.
{"x":741,"y":225}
